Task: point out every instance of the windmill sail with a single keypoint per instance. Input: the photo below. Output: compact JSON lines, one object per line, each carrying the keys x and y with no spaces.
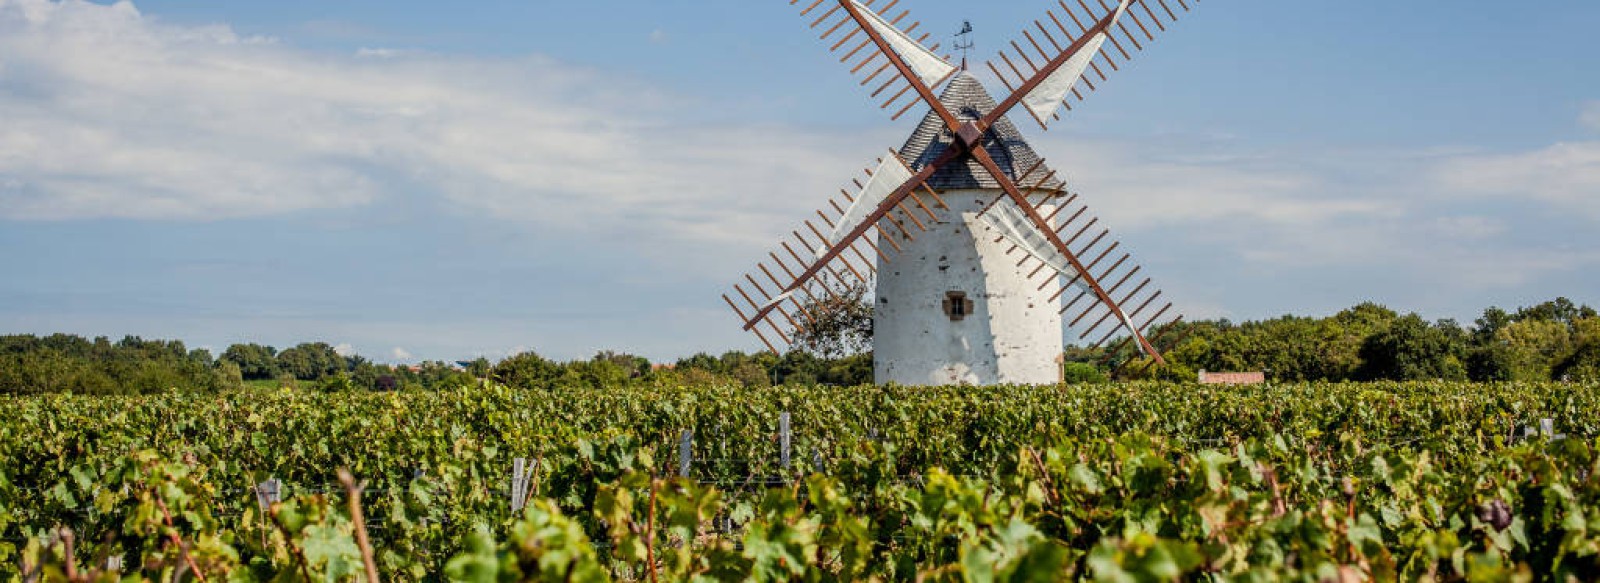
{"x":893,"y":204}
{"x":870,"y":36}
{"x":1008,"y":221}
{"x":928,"y":66}
{"x":1067,"y":55}
{"x":1045,"y":99}
{"x":892,"y":173}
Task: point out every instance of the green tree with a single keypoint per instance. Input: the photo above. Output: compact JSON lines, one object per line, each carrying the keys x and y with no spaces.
{"x":597,"y":373}
{"x":436,"y":375}
{"x":480,"y":367}
{"x":1582,"y":366}
{"x":751,"y":375}
{"x":1345,"y":334}
{"x":68,"y":363}
{"x":1586,"y":331}
{"x":1288,"y":348}
{"x":850,"y":371}
{"x":310,"y":361}
{"x":1534,"y":343}
{"x":364,"y":373}
{"x":1532,"y":347}
{"x":799,"y":367}
{"x":1489,"y":324}
{"x":1411,"y":349}
{"x":1559,"y":310}
{"x":1584,"y":362}
{"x":836,"y":324}
{"x":1489,"y":363}
{"x":732,"y":367}
{"x":1079,"y":373}
{"x":228,"y":374}
{"x":527,"y":371}
{"x":255,"y":362}
{"x":634,"y":366}
{"x":700,"y":360}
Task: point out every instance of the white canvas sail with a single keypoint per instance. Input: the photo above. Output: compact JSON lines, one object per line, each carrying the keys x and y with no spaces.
{"x":780,"y":298}
{"x":1045,"y":99}
{"x":1010,"y":222}
{"x":889,"y":176}
{"x":931,"y":68}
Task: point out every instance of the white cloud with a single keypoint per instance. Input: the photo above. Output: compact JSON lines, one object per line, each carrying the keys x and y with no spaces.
{"x":659,"y":36}
{"x":1142,"y":188}
{"x":344,"y":349}
{"x":110,"y":114}
{"x":1591,"y":115}
{"x":1566,"y":176}
{"x":400,"y":354}
{"x":379,"y":53}
{"x":1468,"y":227}
{"x":1503,"y":267}
{"x":1210,"y":216}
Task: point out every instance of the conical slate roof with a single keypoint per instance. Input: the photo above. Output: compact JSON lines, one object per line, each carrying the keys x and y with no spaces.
{"x":968,"y":100}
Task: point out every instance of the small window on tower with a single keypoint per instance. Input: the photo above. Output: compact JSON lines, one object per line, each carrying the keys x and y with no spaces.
{"x":957,"y":306}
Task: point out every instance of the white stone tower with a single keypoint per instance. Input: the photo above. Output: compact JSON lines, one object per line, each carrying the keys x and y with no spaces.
{"x":953,"y":307}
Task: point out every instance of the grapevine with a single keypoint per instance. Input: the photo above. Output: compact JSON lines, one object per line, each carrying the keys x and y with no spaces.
{"x":1136,"y":481}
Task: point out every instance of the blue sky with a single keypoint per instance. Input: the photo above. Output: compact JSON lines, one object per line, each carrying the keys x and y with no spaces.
{"x":446,"y":180}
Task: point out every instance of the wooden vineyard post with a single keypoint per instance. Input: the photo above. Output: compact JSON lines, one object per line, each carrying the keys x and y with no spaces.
{"x":783,"y":439}
{"x":685,"y":453}
{"x":268,"y":493}
{"x":521,"y":475}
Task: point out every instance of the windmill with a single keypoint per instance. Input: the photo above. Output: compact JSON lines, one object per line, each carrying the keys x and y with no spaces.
{"x":979,"y":251}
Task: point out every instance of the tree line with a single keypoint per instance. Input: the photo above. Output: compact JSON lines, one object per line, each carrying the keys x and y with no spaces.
{"x":1555,"y":340}
{"x":65,"y":363}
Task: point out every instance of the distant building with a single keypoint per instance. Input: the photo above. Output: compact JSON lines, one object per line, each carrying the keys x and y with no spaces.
{"x":1232,"y":378}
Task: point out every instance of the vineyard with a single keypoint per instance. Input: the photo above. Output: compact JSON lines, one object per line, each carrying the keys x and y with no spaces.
{"x":1115,"y":482}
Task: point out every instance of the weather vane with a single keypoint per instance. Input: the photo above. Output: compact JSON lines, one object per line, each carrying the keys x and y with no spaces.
{"x":964,"y":42}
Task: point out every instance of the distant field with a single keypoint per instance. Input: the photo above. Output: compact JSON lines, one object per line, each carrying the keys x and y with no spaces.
{"x":1112,"y":481}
